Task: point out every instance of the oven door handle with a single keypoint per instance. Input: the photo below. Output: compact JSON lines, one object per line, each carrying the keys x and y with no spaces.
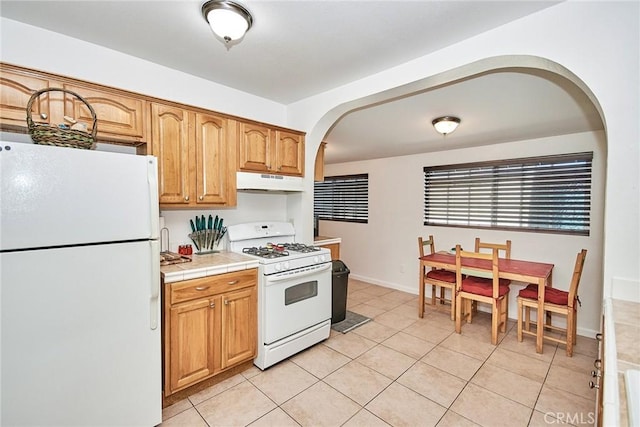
{"x":279,"y":278}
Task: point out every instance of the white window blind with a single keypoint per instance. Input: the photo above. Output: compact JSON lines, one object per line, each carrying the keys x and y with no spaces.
{"x":342,"y":198}
{"x":550,"y":194}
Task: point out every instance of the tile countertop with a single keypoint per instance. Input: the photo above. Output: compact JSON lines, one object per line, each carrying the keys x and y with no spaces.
{"x":207,"y":265}
{"x":324,"y":240}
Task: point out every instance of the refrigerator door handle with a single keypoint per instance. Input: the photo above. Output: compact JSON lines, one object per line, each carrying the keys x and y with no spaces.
{"x":154,"y":302}
{"x":154,"y":209}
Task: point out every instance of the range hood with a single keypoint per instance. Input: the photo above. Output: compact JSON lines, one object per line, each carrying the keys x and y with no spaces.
{"x":248,"y":181}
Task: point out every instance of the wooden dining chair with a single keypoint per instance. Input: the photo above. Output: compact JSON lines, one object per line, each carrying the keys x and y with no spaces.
{"x":504,"y":247}
{"x":469,"y":289}
{"x":556,"y":301}
{"x":436,"y":278}
{"x":504,"y":251}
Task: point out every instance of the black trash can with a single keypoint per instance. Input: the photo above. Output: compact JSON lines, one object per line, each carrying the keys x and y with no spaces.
{"x":339,"y":284}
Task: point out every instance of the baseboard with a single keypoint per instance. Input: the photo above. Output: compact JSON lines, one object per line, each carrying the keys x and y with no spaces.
{"x":585,"y":332}
{"x":391,"y":285}
{"x":625,"y":289}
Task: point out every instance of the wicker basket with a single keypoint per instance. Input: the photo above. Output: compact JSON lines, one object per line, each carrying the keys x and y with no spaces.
{"x":51,"y":135}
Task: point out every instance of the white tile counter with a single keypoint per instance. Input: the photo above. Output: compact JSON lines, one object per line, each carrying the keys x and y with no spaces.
{"x":622,"y":353}
{"x":207,"y":265}
{"x":323,"y":240}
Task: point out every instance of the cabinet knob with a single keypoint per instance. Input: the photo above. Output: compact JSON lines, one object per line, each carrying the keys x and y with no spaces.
{"x":212,"y":305}
{"x":597,"y":363}
{"x":201,"y":198}
{"x":186,"y":198}
{"x":44,"y":116}
{"x":599,"y":336}
{"x":226,"y":302}
{"x":596,"y":374}
{"x":593,"y":385}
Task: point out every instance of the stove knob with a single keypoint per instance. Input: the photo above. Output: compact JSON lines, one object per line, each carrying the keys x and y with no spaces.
{"x":286,"y":265}
{"x":322,"y":258}
{"x":278,"y":267}
{"x":315,"y":260}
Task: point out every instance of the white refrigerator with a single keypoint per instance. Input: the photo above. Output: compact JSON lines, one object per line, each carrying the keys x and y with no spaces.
{"x":79,"y":288}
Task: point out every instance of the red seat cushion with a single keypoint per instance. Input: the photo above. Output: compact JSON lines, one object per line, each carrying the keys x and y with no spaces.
{"x":442,"y":275}
{"x":551,"y":295}
{"x":482,"y":288}
{"x":485,"y":280}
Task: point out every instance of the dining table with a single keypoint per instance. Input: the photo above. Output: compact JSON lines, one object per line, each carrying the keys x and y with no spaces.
{"x":513,"y":269}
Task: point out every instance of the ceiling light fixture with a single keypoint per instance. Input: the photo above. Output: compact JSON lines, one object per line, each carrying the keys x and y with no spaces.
{"x":228,"y":19}
{"x":446,"y":124}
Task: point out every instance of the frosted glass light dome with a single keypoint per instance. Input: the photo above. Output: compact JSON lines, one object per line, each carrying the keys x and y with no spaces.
{"x":228,"y":20}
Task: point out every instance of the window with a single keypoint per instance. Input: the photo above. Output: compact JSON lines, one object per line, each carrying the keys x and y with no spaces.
{"x":342,"y":198}
{"x":550,"y":194}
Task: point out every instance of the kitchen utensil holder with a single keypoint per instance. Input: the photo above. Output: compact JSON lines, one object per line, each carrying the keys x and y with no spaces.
{"x":46,"y":134}
{"x":207,"y":241}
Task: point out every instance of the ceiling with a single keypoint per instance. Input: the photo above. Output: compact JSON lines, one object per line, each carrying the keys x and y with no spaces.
{"x":297,"y":49}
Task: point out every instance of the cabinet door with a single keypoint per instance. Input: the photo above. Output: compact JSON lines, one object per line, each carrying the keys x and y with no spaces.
{"x":193,"y":339}
{"x":319,"y":171}
{"x":212,"y":162}
{"x":239,"y":326}
{"x":289,"y":153}
{"x":119,"y":116}
{"x":15,"y":91}
{"x":255,"y":149}
{"x":170,"y":144}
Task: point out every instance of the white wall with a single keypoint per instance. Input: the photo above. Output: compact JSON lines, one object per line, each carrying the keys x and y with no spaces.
{"x":595,"y":44}
{"x":97,"y":64}
{"x":251,"y":207}
{"x":385,"y":250}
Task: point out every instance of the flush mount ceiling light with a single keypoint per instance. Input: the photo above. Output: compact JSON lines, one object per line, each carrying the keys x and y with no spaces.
{"x":446,"y":124}
{"x":228,"y":20}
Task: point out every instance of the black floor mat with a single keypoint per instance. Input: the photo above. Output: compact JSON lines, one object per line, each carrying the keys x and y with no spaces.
{"x":351,"y":321}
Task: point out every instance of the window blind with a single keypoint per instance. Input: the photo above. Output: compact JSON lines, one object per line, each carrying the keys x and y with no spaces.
{"x":342,"y":198}
{"x":551,"y":194}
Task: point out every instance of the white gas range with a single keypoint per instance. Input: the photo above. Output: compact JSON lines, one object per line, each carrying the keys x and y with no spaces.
{"x":294,"y":288}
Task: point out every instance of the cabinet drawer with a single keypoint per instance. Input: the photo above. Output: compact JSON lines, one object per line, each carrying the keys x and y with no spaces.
{"x":212,"y":285}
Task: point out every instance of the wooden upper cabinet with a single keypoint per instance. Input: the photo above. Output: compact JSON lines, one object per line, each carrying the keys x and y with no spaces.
{"x":215,"y":160}
{"x":196,"y":162}
{"x":263,"y":149}
{"x":319,"y":170}
{"x":15,"y":91}
{"x":289,"y":153}
{"x":119,"y":116}
{"x":255,"y":148}
{"x":170,"y":144}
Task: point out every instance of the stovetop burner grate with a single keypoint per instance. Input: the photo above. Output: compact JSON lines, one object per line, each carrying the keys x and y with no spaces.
{"x":278,"y":250}
{"x":266,"y":252}
{"x":299,"y":247}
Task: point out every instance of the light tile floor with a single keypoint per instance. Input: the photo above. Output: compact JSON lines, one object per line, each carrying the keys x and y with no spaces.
{"x":400,"y":370}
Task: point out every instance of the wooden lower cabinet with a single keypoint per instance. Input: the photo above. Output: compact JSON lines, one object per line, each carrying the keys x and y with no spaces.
{"x":210,"y":326}
{"x":193,"y":338}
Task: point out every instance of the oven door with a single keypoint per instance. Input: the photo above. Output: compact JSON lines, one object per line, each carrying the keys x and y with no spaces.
{"x":295,"y":300}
